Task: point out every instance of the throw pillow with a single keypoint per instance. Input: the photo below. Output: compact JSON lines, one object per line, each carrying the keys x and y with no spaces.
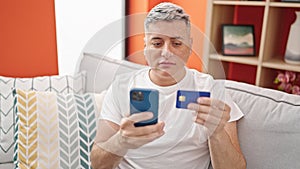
{"x":54,"y":130}
{"x":61,"y":84}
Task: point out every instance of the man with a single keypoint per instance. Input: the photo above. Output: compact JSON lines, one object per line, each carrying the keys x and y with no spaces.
{"x":183,"y":138}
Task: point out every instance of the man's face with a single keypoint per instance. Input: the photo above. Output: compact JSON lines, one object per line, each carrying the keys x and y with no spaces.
{"x":167,"y":46}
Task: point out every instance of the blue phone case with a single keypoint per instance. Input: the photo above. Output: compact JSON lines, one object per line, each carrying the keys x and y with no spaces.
{"x":144,"y":100}
{"x":184,"y":97}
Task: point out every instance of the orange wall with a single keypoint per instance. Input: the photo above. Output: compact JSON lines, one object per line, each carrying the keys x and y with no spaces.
{"x":28,"y":35}
{"x":27,"y":38}
{"x":195,"y":8}
{"x":136,"y":12}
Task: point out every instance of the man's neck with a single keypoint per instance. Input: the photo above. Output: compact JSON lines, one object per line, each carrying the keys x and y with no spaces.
{"x":161,"y":78}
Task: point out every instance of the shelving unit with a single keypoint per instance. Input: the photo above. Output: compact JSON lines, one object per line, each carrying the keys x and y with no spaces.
{"x":271,"y":20}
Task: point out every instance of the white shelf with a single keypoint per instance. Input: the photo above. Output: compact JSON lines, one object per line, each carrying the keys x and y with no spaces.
{"x":285,"y":4}
{"x":246,"y":3}
{"x":280,"y":64}
{"x":248,"y":60}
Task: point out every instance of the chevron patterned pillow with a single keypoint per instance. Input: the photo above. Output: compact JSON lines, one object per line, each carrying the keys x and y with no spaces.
{"x":54,"y":130}
{"x":60,"y":84}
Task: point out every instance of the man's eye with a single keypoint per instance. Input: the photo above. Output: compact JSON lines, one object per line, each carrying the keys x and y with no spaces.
{"x":156,"y":44}
{"x":177,"y":43}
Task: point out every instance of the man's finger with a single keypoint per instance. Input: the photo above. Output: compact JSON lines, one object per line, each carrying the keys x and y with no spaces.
{"x":217,"y":104}
{"x":137,"y":117}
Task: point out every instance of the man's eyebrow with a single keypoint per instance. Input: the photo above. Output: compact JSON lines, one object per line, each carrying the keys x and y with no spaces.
{"x":173,"y":38}
{"x":154,"y":38}
{"x":177,"y":37}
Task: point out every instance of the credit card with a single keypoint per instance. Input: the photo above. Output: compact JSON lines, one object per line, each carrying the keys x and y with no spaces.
{"x":184,"y":97}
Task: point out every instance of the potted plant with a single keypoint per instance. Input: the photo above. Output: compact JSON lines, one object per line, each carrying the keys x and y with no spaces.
{"x":288,"y":81}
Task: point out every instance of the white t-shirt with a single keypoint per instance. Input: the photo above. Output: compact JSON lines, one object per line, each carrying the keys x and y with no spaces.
{"x":184,"y":144}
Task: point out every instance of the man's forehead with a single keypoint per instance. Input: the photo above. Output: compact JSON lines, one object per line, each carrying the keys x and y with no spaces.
{"x":168,"y":28}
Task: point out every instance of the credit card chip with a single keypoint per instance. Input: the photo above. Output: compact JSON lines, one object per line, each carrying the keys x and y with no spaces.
{"x":181,"y":98}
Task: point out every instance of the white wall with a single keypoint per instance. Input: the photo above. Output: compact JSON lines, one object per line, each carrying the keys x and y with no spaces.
{"x":76,"y":23}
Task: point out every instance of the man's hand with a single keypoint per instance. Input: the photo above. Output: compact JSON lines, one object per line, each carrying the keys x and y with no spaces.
{"x":131,"y":137}
{"x":211,"y":113}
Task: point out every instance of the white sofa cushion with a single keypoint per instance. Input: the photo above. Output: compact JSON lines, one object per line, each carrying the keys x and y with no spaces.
{"x":61,"y":84}
{"x":269,"y":133}
{"x":102,"y":70}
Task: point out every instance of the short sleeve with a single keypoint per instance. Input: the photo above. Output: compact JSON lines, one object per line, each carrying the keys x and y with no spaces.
{"x":235,"y":113}
{"x":110,"y":109}
{"x":219,"y":92}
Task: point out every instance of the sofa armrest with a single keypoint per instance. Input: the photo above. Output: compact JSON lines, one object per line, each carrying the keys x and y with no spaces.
{"x":269,"y":133}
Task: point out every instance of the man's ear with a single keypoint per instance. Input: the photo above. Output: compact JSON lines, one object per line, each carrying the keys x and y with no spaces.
{"x":191,"y":45}
{"x":145,"y":50}
{"x":144,"y":41}
{"x":144,"y":45}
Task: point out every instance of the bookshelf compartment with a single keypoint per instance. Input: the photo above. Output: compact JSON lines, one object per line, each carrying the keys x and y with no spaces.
{"x":268,"y":76}
{"x":272,"y":20}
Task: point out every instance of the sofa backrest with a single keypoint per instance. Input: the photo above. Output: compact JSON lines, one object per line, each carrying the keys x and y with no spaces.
{"x":102,"y":70}
{"x":269,"y":133}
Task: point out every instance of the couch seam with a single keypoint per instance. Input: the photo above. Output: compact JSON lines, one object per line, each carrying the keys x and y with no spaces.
{"x":255,"y":94}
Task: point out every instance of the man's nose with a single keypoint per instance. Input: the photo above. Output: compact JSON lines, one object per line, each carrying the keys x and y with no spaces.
{"x":166,"y":52}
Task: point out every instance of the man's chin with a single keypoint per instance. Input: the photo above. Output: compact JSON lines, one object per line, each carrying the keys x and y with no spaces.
{"x":164,"y":71}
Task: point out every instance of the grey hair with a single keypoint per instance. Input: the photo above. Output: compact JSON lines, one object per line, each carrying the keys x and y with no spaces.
{"x":167,"y":11}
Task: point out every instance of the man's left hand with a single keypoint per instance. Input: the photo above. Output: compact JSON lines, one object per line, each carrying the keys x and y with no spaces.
{"x":211,"y":113}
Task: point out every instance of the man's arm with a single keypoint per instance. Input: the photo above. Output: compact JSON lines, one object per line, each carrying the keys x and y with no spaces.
{"x":223,"y":141}
{"x":225,"y":149}
{"x":101,"y":158}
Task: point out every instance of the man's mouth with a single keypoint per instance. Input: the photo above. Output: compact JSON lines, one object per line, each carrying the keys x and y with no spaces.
{"x":166,"y":63}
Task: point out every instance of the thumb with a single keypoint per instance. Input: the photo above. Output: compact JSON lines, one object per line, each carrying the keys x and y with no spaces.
{"x":137,"y":117}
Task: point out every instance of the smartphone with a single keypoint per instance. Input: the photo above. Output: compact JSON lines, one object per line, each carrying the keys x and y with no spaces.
{"x":144,"y":100}
{"x":184,"y":97}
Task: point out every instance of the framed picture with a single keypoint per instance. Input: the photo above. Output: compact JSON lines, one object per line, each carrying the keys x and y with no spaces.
{"x":238,"y":40}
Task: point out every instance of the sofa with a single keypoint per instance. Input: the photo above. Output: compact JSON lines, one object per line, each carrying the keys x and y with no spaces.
{"x":269,"y":132}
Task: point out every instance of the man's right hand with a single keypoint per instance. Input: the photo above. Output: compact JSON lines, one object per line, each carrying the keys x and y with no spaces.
{"x":131,"y":137}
